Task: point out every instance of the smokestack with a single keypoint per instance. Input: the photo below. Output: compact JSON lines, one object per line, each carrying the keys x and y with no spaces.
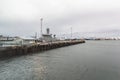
{"x":48,"y":31}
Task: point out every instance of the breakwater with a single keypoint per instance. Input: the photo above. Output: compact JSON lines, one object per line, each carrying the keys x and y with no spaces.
{"x":37,"y":47}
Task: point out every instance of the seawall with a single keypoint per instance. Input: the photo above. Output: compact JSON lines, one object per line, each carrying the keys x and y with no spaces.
{"x":33,"y":48}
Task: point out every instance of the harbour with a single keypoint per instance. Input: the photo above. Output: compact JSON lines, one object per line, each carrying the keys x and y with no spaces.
{"x":59,"y":40}
{"x":89,"y":61}
{"x":15,"y":46}
{"x":36,"y":47}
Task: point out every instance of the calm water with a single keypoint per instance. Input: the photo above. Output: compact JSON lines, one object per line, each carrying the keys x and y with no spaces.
{"x":94,"y":60}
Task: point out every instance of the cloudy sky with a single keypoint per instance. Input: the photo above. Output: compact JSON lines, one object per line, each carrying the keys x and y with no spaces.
{"x":22,"y":17}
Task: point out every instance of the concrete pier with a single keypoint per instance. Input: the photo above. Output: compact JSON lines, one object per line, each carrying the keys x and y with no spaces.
{"x":37,"y":47}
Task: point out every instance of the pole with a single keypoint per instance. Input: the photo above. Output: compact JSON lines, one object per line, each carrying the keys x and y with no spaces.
{"x":35,"y":37}
{"x":71,"y":33}
{"x":41,"y":26}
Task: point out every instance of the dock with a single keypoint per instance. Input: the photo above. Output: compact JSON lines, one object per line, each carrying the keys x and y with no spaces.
{"x":37,"y":47}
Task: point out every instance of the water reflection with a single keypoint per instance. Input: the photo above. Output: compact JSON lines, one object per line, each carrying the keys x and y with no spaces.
{"x":22,"y":68}
{"x":39,"y":70}
{"x":94,"y":60}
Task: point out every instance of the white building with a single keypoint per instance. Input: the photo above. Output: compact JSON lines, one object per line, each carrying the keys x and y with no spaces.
{"x":6,"y":38}
{"x":48,"y":37}
{"x":16,"y":41}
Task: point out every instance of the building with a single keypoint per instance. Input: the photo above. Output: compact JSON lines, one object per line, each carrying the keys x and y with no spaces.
{"x":15,"y":41}
{"x":48,"y":37}
{"x":28,"y":40}
{"x":6,"y":38}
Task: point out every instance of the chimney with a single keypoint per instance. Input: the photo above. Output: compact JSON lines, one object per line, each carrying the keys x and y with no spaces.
{"x":48,"y":31}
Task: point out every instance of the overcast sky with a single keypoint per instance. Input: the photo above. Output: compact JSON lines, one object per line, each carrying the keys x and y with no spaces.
{"x":22,"y":17}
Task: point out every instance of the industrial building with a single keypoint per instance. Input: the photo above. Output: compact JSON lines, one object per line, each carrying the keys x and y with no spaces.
{"x":48,"y":37}
{"x":15,"y":41}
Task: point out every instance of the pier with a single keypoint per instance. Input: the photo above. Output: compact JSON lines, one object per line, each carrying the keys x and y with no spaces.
{"x":37,"y":47}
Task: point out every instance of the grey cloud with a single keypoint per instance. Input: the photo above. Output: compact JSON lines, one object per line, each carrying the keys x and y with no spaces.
{"x":22,"y":17}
